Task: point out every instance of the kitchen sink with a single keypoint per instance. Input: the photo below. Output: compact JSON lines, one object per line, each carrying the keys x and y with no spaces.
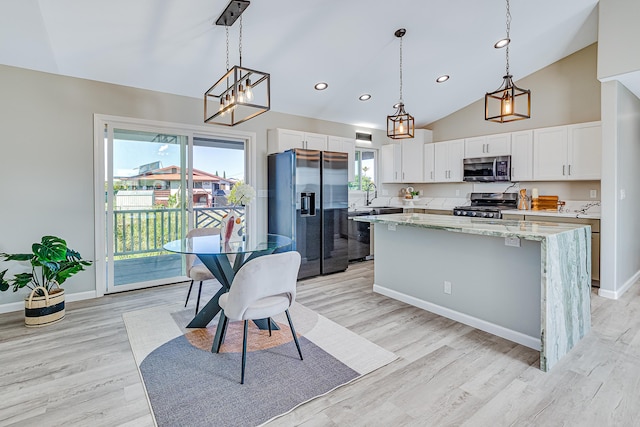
{"x":375,"y":210}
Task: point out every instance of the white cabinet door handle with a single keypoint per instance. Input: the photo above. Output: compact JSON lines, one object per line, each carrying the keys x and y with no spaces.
{"x":563,"y":167}
{"x":569,"y":170}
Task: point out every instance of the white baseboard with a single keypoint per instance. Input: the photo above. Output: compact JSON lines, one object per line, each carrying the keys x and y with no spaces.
{"x":625,"y":287}
{"x":483,"y":325}
{"x":19,"y":305}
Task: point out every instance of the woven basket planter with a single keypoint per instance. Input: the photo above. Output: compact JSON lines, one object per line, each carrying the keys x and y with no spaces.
{"x":44,"y":310}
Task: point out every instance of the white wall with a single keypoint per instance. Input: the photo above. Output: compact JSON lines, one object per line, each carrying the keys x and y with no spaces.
{"x":46,"y":155}
{"x":620,"y":228}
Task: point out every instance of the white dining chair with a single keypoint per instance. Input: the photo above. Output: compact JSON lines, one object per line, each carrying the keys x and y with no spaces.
{"x":195,"y":269}
{"x":263,"y":287}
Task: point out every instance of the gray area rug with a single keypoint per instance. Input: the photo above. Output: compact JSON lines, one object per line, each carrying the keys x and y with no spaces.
{"x":191,"y":387}
{"x":187,"y":385}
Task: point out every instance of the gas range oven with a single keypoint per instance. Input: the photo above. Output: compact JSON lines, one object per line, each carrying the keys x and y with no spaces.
{"x":488,"y":205}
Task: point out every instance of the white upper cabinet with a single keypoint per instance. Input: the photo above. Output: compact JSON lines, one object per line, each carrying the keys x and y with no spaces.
{"x":522,"y":156}
{"x":412,"y":160}
{"x":404,"y":162}
{"x":429,"y":163}
{"x":489,"y":145}
{"x":585,"y":151}
{"x":448,"y":160}
{"x":391,"y":161}
{"x":550,"y":153}
{"x":280,"y":140}
{"x":567,"y":152}
{"x":344,"y":145}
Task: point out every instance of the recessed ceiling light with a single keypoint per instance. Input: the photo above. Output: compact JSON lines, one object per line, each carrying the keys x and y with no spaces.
{"x":364,"y":97}
{"x":442,"y":78}
{"x":502,"y":43}
{"x":321,"y":86}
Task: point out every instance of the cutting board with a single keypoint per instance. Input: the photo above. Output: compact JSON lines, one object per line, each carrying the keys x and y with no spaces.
{"x":545,"y":203}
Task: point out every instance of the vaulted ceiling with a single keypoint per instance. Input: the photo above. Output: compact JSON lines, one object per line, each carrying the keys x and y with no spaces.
{"x":172,"y":46}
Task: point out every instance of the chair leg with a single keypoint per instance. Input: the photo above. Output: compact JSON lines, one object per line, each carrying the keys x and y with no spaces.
{"x":269,"y":322}
{"x":188,"y":293}
{"x":293,"y":332}
{"x":198,"y":301}
{"x":244,"y":350}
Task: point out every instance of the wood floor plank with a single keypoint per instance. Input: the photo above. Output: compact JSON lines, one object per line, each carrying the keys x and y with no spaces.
{"x":81,"y":371}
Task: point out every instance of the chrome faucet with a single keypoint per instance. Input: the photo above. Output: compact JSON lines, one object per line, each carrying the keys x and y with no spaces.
{"x":375,"y":193}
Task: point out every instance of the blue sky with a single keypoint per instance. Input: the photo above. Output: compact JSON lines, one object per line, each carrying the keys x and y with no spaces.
{"x":129,"y":155}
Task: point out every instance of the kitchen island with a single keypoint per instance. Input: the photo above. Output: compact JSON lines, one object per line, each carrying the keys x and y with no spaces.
{"x":524,"y":281}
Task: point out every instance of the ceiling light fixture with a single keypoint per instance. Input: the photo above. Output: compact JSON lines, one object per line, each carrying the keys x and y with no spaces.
{"x":321,"y":86}
{"x":400,"y":125}
{"x":502,"y":43}
{"x":509,"y":102}
{"x":364,"y":97}
{"x":241,"y":93}
{"x":442,"y":78}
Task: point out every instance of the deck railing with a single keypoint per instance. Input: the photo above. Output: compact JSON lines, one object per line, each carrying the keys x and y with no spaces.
{"x":143,"y":231}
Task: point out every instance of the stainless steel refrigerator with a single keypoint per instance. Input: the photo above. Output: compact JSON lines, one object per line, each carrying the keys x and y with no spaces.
{"x":308,"y":201}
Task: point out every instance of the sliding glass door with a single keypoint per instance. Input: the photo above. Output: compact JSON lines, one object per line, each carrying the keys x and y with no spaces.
{"x":157,"y":186}
{"x":146,"y":194}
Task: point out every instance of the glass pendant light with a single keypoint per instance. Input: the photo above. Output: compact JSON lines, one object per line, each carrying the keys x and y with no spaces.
{"x":509,"y":102}
{"x":401,"y":124}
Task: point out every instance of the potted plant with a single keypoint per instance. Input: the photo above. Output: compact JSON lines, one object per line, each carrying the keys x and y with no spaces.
{"x":52,"y":262}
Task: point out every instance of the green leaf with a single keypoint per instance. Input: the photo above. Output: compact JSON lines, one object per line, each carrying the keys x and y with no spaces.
{"x":4,"y":285}
{"x":50,"y":249}
{"x":17,"y":257}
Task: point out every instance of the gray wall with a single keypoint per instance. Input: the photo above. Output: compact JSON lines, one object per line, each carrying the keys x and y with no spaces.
{"x":46,"y":161}
{"x":618,"y":35}
{"x":620,"y":228}
{"x":565,"y":92}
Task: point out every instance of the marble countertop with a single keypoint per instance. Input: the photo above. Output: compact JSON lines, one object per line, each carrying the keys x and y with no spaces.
{"x":564,"y":214}
{"x":527,"y":230}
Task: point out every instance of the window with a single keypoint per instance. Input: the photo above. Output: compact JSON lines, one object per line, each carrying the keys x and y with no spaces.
{"x":365,"y":168}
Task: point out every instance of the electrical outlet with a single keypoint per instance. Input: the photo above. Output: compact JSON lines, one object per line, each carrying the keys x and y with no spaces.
{"x":457,"y":192}
{"x":623,"y":194}
{"x":512,"y":241}
{"x":593,"y":194}
{"x":419,"y":192}
{"x":263,"y":193}
{"x":385,"y":192}
{"x":447,"y":287}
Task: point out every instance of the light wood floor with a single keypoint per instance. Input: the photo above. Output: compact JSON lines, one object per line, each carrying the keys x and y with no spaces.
{"x":81,"y":372}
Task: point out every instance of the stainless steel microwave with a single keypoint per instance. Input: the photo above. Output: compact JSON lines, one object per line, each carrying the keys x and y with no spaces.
{"x":487,"y":169}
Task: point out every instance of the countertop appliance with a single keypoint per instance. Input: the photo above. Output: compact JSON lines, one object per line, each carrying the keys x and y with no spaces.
{"x":308,"y":202}
{"x":488,"y":205}
{"x":487,"y":169}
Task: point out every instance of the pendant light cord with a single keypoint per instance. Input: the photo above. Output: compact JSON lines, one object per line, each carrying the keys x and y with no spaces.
{"x":227,"y":30}
{"x":508,"y":32}
{"x":401,"y":70}
{"x":240,"y":42}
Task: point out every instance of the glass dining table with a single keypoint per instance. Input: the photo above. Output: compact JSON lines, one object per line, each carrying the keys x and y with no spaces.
{"x":224,"y":259}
